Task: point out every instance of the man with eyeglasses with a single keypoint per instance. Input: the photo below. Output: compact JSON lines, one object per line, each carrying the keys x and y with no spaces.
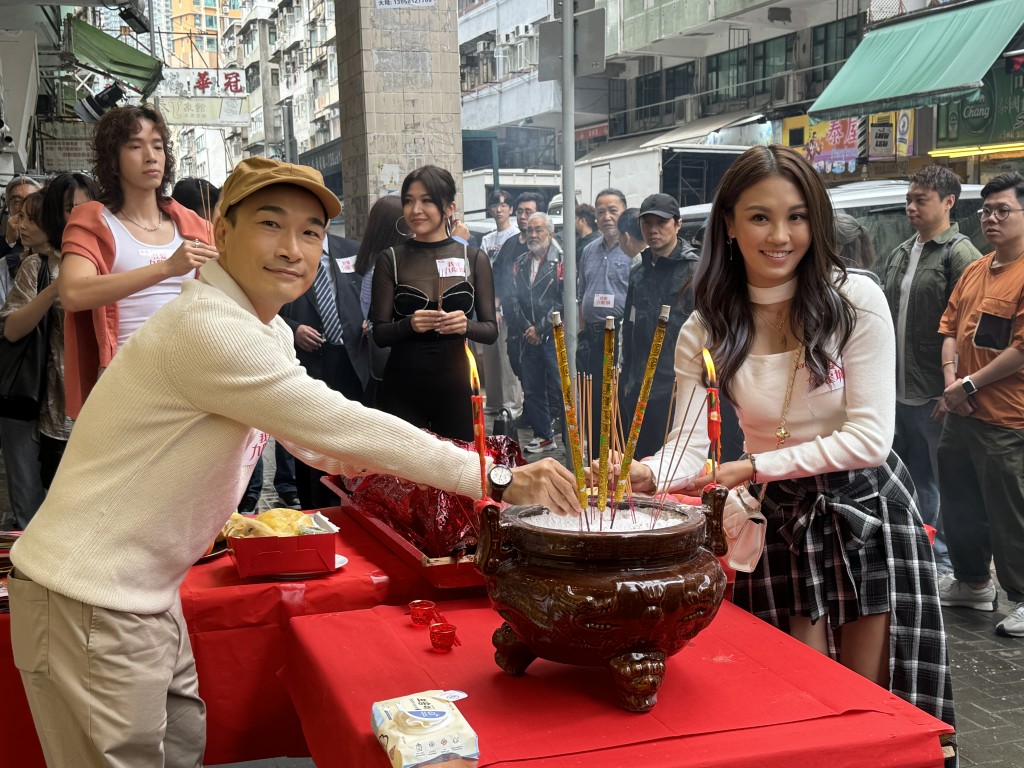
{"x":981,"y":451}
{"x":917,"y":278}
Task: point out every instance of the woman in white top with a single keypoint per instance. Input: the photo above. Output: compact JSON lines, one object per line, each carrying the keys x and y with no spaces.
{"x":126,"y":255}
{"x":806,"y":353}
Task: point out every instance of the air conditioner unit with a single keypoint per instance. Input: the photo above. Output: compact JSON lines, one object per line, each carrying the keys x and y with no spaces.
{"x":484,"y":46}
{"x":687,"y":109}
{"x":529,"y":30}
{"x":507,"y":38}
{"x":788,"y":87}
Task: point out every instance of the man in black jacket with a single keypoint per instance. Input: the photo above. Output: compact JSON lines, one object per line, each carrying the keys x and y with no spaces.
{"x":328,"y":326}
{"x":536,"y":293}
{"x":662,"y":277}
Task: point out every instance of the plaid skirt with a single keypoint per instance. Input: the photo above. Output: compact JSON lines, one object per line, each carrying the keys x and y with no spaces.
{"x":849,"y":544}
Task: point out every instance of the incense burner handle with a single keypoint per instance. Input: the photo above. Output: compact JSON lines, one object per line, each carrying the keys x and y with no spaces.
{"x":713,"y":500}
{"x":493,"y":548}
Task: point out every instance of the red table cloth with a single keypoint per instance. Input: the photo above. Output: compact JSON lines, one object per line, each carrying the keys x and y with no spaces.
{"x":237,"y":628}
{"x":741,"y":694}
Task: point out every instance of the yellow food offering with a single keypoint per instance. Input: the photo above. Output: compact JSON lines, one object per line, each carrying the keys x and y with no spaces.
{"x":273,"y":522}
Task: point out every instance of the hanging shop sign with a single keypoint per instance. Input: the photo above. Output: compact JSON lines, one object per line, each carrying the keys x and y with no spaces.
{"x":996,"y":116}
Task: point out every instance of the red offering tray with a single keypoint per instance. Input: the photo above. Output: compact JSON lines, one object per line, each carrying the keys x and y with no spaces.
{"x":288,"y":557}
{"x":441,"y":572}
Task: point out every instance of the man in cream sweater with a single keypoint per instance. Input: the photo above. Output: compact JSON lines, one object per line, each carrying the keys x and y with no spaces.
{"x":157,"y":462}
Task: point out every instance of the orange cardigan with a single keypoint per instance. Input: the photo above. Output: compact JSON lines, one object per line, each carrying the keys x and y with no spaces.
{"x":90,"y":336}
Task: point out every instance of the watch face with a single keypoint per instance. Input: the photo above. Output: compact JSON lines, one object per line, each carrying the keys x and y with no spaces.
{"x":500,"y":476}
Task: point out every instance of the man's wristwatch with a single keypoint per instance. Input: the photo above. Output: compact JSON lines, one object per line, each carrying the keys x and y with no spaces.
{"x":968,"y":385}
{"x":499,"y":478}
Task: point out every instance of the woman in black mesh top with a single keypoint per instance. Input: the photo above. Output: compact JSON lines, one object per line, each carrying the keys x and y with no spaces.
{"x":430,"y":294}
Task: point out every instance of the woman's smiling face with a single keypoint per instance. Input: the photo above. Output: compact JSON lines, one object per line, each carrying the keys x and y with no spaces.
{"x":771,"y":228}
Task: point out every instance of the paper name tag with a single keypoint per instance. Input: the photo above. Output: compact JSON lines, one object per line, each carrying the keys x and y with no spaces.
{"x":254,"y":449}
{"x":346,"y":266}
{"x":604,"y":300}
{"x":154,"y":255}
{"x":451,"y":267}
{"x":836,"y":379}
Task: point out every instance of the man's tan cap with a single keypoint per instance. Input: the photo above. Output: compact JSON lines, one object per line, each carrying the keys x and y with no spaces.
{"x":255,"y":173}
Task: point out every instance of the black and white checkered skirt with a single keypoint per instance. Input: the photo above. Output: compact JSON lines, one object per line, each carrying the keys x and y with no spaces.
{"x":850,"y":544}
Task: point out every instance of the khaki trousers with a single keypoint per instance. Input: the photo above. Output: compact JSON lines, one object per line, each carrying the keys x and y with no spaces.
{"x":107,"y":689}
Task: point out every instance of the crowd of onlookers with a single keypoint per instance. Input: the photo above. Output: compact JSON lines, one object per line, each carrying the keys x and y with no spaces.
{"x":89,"y":258}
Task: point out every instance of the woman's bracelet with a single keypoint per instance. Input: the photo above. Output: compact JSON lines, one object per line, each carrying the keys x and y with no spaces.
{"x":949,"y":362}
{"x":753,"y":464}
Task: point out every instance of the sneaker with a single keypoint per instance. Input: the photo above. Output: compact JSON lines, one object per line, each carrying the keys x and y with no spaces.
{"x":542,"y":446}
{"x":532,"y":444}
{"x":1013,"y":624}
{"x":247,"y":505}
{"x":953,"y":593}
{"x":290,"y":500}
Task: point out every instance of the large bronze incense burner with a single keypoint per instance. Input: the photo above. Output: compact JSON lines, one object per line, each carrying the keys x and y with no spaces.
{"x":624,"y":597}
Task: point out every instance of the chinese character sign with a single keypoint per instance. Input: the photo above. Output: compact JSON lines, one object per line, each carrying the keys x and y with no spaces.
{"x":830,"y":146}
{"x":202,"y":82}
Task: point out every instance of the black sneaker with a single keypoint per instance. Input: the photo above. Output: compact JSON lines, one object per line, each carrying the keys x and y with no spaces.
{"x":289,"y":500}
{"x":248,"y":505}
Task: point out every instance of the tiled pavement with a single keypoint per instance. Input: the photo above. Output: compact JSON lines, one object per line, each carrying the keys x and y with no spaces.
{"x":988,"y":675}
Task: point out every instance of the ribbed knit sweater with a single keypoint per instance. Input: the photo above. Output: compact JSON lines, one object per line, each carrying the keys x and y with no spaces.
{"x":847,"y":423}
{"x":157,"y":460}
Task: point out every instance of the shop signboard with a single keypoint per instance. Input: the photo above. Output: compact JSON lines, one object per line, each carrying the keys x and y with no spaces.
{"x":905,"y":133}
{"x":994,"y":116}
{"x":182,"y":81}
{"x":882,"y":136}
{"x":831,"y":146}
{"x":211,"y":111}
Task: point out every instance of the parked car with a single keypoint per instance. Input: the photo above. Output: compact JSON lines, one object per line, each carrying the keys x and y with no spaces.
{"x":879,"y":205}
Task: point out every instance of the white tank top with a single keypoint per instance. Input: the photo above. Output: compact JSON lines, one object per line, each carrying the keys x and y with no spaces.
{"x":130,"y":254}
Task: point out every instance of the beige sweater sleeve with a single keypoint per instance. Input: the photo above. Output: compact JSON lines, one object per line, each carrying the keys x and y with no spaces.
{"x":235,"y":371}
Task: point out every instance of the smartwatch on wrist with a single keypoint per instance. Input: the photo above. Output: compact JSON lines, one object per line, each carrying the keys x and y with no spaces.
{"x":968,"y":385}
{"x":499,"y":478}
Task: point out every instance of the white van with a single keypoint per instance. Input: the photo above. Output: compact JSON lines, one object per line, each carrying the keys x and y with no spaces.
{"x":879,"y":205}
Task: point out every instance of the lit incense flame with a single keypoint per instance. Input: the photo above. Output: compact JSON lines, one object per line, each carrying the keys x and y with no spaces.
{"x":714,"y":415}
{"x":474,"y":377}
{"x":710,"y":365}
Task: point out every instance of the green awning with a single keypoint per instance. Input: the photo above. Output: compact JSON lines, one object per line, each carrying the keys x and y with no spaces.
{"x":97,"y":50}
{"x":933,"y":58}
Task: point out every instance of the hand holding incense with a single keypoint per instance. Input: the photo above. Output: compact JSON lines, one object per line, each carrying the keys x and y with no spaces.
{"x":606,"y":413}
{"x":569,"y":402}
{"x":641,"y":403}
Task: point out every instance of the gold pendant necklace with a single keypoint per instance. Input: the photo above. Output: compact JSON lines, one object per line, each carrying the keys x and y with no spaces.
{"x":779,"y":324}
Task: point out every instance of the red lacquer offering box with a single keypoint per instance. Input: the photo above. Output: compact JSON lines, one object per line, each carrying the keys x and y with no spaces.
{"x":284,"y":556}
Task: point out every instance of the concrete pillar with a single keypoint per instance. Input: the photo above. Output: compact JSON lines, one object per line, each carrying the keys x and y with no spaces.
{"x":398,"y":71}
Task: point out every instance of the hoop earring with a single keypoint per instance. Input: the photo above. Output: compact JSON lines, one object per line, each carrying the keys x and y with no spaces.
{"x":399,"y":231}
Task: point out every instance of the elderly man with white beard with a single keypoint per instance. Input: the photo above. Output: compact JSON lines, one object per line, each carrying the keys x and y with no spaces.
{"x":536,"y":293}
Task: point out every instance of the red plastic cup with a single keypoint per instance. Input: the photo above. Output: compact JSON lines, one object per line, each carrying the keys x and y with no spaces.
{"x":422,"y":612}
{"x":442,"y":637}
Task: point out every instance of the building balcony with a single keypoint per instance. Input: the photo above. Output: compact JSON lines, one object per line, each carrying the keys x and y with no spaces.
{"x":493,"y":16}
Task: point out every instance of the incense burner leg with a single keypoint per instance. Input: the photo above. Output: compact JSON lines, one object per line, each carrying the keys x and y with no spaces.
{"x":638,"y":677}
{"x":511,"y":653}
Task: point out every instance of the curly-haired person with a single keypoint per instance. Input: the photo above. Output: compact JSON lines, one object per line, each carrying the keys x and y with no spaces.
{"x":127,"y":254}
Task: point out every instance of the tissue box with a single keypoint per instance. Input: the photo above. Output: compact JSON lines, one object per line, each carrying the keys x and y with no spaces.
{"x":285,"y":556}
{"x":423,"y":729}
